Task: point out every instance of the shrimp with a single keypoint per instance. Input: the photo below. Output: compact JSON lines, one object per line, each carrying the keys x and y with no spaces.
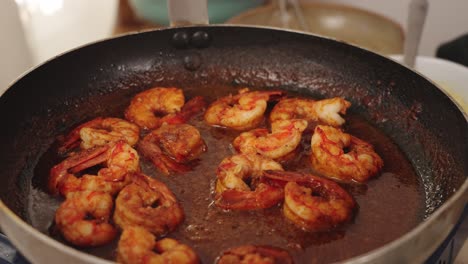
{"x":243,"y":111}
{"x":326,"y":111}
{"x":314,"y":203}
{"x":154,"y":107}
{"x":99,"y":132}
{"x":251,"y":254}
{"x":191,"y":108}
{"x":148,"y":203}
{"x":119,"y":159}
{"x":342,"y":156}
{"x":83,"y":220}
{"x":284,"y":138}
{"x":172,"y":147}
{"x":138,"y":246}
{"x":233,"y":177}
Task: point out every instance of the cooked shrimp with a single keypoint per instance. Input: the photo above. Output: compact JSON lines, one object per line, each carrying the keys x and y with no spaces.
{"x":242,"y":111}
{"x":284,"y":138}
{"x":118,"y":159}
{"x":83,"y":220}
{"x":343,"y":156}
{"x":146,"y":107}
{"x":138,"y":246}
{"x":250,"y":254}
{"x":233,"y":177}
{"x":172,"y":147}
{"x":154,"y":107}
{"x":314,"y":203}
{"x":148,"y":203}
{"x":191,"y":108}
{"x":326,"y":111}
{"x":101,"y":131}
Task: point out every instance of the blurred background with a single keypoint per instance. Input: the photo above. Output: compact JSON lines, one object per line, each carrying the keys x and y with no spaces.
{"x":37,"y":30}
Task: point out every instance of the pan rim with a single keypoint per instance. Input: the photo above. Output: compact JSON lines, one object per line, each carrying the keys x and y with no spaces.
{"x":147,"y":31}
{"x":460,"y":196}
{"x":44,"y":238}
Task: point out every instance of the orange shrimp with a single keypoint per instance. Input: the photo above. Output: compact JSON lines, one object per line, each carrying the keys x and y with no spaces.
{"x":99,"y":132}
{"x":118,"y":158}
{"x":172,"y":147}
{"x":148,"y":203}
{"x":326,"y":111}
{"x":314,"y":203}
{"x":284,"y":138}
{"x":138,"y":246}
{"x":251,"y":254}
{"x":83,"y":219}
{"x":154,"y":107}
{"x":358,"y":163}
{"x":232,"y":186}
{"x":242,"y":111}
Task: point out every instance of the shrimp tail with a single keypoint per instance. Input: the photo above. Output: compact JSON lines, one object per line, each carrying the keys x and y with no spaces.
{"x":265,"y":196}
{"x":72,"y":140}
{"x":165,"y":164}
{"x":80,"y":161}
{"x":190,"y":109}
{"x":285,"y":176}
{"x":193,"y":106}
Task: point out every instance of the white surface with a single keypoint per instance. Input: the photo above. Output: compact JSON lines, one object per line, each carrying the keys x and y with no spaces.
{"x":55,"y":26}
{"x":446,"y":19}
{"x":451,"y":77}
{"x":14,"y":53}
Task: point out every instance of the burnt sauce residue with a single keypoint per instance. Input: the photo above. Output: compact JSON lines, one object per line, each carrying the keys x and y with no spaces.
{"x":389,"y":205}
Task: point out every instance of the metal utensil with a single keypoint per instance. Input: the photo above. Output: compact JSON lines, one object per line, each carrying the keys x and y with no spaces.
{"x":286,"y":17}
{"x":415,"y":24}
{"x":188,"y":12}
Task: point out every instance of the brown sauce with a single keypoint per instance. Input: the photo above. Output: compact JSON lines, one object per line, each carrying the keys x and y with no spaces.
{"x":390,"y":204}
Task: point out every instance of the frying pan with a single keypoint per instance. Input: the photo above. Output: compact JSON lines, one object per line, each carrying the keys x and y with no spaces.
{"x":100,"y":78}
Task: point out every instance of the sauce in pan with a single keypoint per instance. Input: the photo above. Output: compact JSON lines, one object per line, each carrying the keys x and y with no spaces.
{"x":390,"y":204}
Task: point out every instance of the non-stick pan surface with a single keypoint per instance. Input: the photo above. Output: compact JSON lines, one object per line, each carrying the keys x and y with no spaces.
{"x":99,"y":79}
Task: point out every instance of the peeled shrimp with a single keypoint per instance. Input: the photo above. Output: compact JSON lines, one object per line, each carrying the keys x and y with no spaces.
{"x":233,"y":177}
{"x":159,"y":100}
{"x":242,"y":111}
{"x":251,"y":254}
{"x":83,"y":220}
{"x":101,"y":131}
{"x":326,"y":111}
{"x":138,"y":246}
{"x":154,"y":107}
{"x":148,"y":203}
{"x":343,"y":156}
{"x":284,"y":138}
{"x":172,"y":147}
{"x":314,"y":203}
{"x":118,"y":159}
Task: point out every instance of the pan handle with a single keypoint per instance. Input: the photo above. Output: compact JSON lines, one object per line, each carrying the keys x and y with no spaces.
{"x":187,"y":12}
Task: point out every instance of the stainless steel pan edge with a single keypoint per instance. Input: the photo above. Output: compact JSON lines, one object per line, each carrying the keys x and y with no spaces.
{"x":38,"y":247}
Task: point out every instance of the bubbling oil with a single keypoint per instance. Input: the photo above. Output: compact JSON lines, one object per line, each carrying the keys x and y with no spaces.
{"x":390,"y":204}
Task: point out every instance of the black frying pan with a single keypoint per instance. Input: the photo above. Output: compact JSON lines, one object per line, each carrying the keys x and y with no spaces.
{"x":101,"y":78}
